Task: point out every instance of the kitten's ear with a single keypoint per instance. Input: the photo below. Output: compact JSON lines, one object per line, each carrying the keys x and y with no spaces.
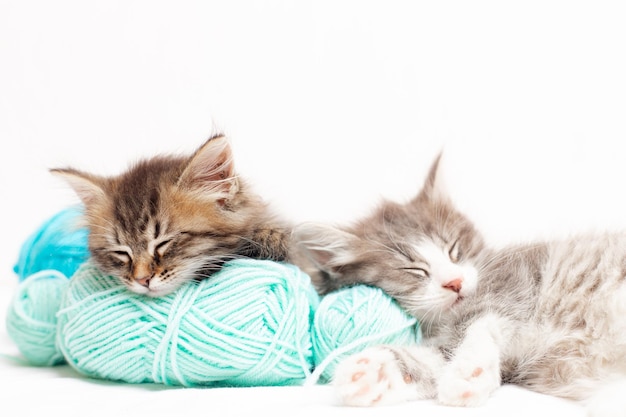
{"x":211,"y":171}
{"x":88,"y":187}
{"x":327,"y":247}
{"x":433,"y":188}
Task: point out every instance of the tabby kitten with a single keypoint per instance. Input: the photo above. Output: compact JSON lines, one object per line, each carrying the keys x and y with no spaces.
{"x":171,"y":219}
{"x":548,"y":316}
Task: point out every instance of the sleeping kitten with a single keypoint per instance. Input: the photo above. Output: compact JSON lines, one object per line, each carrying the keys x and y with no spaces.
{"x":172,"y":219}
{"x":548,"y":316}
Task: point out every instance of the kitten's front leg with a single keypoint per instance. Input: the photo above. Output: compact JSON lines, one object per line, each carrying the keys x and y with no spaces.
{"x":267,"y":242}
{"x":388,"y":375}
{"x":473,"y":372}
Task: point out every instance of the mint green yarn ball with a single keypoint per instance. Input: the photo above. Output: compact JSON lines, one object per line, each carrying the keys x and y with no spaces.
{"x":247,"y":325}
{"x":31,"y":318}
{"x":352,"y":319}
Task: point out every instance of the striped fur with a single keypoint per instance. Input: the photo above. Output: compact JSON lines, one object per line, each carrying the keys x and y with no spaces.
{"x":171,"y":219}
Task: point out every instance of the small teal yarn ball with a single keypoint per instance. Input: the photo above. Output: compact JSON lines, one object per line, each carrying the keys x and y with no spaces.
{"x":31,"y":318}
{"x":247,"y":325}
{"x":354,"y":318}
{"x":60,"y":243}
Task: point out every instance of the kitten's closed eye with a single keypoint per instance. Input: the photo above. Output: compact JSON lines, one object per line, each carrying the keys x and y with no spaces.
{"x":122,"y":256}
{"x":418,"y":272}
{"x":162,"y":247}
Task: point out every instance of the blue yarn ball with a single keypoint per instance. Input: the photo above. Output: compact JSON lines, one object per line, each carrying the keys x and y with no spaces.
{"x":248,"y":325}
{"x":31,"y":318}
{"x":354,"y":318}
{"x":60,"y":244}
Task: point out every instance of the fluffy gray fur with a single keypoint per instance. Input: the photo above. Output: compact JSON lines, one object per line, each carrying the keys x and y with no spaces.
{"x":547,"y":315}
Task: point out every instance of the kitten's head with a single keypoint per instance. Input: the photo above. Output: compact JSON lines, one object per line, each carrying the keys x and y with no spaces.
{"x":167,"y":219}
{"x":423,"y":253}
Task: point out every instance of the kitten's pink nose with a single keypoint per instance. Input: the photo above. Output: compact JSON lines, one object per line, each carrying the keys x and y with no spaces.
{"x":144,"y":281}
{"x":454,"y":285}
{"x":142,"y":273}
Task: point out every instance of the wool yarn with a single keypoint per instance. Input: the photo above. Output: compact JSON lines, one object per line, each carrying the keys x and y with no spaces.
{"x":59,"y":243}
{"x":31,"y":317}
{"x":252,"y":323}
{"x":248,"y":325}
{"x":352,"y":319}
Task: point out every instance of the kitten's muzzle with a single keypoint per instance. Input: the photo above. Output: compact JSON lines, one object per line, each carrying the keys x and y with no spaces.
{"x":144,"y":281}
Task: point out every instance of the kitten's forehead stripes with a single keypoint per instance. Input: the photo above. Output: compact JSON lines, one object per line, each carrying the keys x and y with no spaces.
{"x":130,"y":219}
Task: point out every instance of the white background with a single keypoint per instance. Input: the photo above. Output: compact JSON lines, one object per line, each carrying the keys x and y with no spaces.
{"x":330,"y":105}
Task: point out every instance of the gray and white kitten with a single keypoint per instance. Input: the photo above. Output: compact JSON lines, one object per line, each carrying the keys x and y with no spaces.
{"x":548,"y":316}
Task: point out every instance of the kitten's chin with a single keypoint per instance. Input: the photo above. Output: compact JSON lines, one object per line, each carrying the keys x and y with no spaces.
{"x":158,"y":293}
{"x":459,"y":300}
{"x":154,"y":292}
{"x":451,"y":305}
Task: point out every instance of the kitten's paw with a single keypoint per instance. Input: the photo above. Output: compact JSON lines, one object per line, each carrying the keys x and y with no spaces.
{"x":372,"y":377}
{"x":466,"y":384}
